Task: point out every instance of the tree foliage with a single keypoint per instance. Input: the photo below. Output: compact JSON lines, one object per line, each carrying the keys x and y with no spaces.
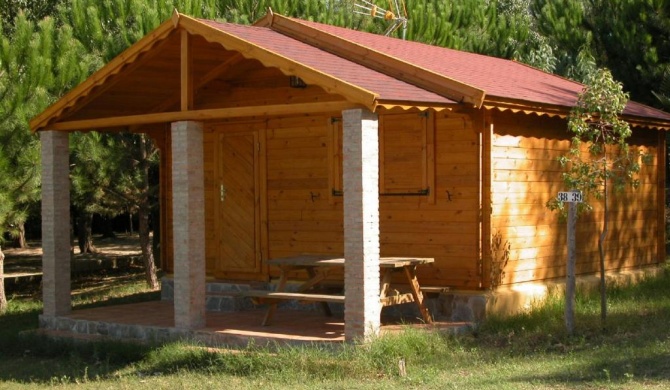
{"x":38,"y":63}
{"x":597,"y":127}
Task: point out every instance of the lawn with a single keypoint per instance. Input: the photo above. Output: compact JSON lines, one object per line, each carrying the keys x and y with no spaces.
{"x":530,"y":351}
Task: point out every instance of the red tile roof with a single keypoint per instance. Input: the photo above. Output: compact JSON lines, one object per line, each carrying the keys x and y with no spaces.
{"x":387,"y":87}
{"x":498,"y":77}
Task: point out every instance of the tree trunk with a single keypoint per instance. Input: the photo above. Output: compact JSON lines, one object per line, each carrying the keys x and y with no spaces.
{"x":156,"y":242}
{"x":20,"y":240}
{"x":570,"y":272}
{"x":147,"y":250}
{"x":3,"y":298}
{"x":84,"y":234}
{"x":143,"y":213}
{"x":107,"y":228}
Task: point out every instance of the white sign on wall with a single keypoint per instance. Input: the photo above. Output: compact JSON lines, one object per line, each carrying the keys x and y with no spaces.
{"x":570,"y":196}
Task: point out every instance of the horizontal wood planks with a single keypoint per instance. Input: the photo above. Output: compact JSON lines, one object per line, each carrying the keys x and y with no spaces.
{"x":302,"y":212}
{"x":303,"y":216}
{"x":526,"y":175}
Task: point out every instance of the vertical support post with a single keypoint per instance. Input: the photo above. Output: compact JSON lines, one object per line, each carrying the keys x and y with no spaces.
{"x":570,"y":272}
{"x":188,"y":211}
{"x":55,"y":223}
{"x":362,"y":308}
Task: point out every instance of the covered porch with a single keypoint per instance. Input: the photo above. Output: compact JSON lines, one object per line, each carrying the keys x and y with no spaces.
{"x":173,"y":84}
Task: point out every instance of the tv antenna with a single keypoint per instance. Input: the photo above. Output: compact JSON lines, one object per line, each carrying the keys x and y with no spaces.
{"x":393,"y":14}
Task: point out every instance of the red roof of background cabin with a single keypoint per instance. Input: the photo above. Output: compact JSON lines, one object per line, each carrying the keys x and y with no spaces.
{"x":387,"y":87}
{"x":498,"y":77}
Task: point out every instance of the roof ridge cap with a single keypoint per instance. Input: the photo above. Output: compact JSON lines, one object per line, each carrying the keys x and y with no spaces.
{"x":371,"y":58}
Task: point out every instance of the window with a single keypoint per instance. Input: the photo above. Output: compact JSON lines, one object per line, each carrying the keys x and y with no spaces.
{"x":406,"y":155}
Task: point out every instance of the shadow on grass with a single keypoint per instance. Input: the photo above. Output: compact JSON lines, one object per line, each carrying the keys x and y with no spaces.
{"x":113,"y":301}
{"x":633,"y":345}
{"x":40,"y":359}
{"x":611,"y":367}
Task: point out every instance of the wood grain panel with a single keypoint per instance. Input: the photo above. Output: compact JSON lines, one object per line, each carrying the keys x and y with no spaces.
{"x":526,"y":174}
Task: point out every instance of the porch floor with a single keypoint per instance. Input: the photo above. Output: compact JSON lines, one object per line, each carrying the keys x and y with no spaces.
{"x":155,"y":320}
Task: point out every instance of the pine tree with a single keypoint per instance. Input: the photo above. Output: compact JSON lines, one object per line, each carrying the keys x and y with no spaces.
{"x":33,"y":10}
{"x":632,"y":38}
{"x":37,"y":63}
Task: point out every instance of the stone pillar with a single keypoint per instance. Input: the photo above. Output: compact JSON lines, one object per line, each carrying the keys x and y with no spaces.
{"x":55,"y":223}
{"x":360,"y":149}
{"x":188,"y":216}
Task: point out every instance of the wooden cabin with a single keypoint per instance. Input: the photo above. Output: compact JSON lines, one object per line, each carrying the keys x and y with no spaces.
{"x":467,"y":154}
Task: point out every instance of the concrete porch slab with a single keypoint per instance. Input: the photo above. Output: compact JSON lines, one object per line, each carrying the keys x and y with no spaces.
{"x":154,"y":322}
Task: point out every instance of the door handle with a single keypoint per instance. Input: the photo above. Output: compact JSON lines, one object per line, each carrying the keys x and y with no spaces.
{"x":222,"y":192}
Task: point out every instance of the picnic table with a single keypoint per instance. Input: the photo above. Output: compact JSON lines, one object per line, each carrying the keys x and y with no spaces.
{"x":318,"y":267}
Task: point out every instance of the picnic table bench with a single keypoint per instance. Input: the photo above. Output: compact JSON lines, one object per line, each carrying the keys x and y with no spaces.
{"x":318,"y":267}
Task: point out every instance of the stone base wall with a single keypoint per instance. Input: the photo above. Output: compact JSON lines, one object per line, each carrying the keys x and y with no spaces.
{"x":148,"y":334}
{"x":474,"y":306}
{"x":451,"y":306}
{"x":223,"y":296}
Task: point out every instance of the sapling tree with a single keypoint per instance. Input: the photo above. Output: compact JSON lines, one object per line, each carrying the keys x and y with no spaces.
{"x":599,"y":159}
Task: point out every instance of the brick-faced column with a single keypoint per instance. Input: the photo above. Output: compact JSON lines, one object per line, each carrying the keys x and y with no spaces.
{"x":360,"y":150}
{"x":188,"y":215}
{"x":55,"y":223}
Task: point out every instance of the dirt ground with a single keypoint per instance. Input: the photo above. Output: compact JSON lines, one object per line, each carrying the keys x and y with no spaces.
{"x":29,"y":260}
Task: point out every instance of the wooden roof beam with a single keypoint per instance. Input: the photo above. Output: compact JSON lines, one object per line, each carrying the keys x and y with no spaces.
{"x":202,"y":115}
{"x":186,"y":85}
{"x":202,"y":81}
{"x":381,"y":62}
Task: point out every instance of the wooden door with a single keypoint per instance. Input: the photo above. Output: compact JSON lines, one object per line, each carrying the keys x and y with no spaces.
{"x":238,"y":224}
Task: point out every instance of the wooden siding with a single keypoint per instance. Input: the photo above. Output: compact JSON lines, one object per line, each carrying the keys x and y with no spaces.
{"x":300,"y":166}
{"x":301,"y":169}
{"x":526,"y":174}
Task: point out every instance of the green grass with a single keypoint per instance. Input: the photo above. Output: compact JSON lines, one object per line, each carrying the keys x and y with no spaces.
{"x":528,"y":351}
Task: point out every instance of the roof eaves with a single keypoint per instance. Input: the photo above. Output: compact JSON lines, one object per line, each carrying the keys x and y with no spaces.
{"x":647,"y":122}
{"x":516,"y":106}
{"x":102,"y":75}
{"x":407,"y":105}
{"x":288,"y":66}
{"x":376,"y":60}
{"x":526,"y":107}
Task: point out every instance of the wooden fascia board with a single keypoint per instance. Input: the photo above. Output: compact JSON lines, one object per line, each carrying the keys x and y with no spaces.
{"x":202,"y":115}
{"x":421,"y":106}
{"x":563,"y":112}
{"x":502,"y":104}
{"x":310,"y":75}
{"x":98,"y":78}
{"x":637,"y":121}
{"x":381,"y":62}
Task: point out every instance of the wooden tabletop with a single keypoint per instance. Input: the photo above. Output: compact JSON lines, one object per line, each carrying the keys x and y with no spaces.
{"x":325,"y":260}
